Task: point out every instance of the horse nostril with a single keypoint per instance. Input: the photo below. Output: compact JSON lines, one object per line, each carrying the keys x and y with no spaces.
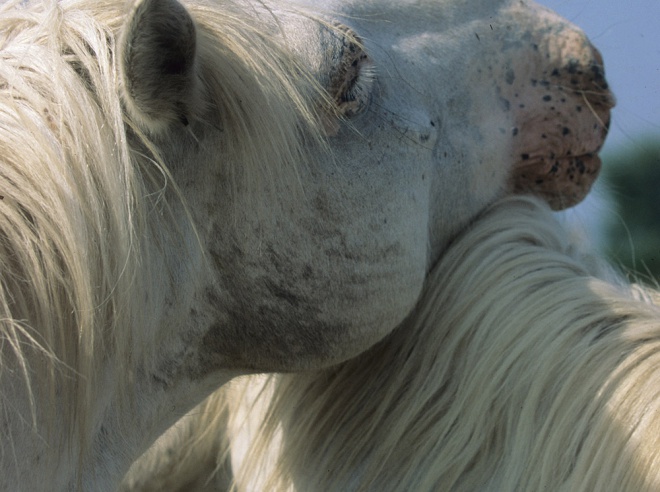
{"x":594,"y":85}
{"x":598,"y":74}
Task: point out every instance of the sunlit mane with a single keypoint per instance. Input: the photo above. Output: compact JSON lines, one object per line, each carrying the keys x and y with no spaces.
{"x":82,"y":185}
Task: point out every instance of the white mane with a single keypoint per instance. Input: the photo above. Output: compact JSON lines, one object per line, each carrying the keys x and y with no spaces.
{"x":86,"y":198}
{"x":525,"y":367}
{"x":75,"y":248}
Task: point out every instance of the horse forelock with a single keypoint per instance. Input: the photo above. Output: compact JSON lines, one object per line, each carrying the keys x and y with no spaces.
{"x":263,"y":99}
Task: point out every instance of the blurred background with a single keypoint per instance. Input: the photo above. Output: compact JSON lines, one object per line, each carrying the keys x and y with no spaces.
{"x":622,"y":216}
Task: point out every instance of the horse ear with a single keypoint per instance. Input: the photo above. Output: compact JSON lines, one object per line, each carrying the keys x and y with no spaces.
{"x":158,"y":65}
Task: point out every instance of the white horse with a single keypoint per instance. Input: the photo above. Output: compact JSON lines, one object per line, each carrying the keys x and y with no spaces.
{"x":192,"y":193}
{"x":525,"y":366}
{"x":294,"y":436}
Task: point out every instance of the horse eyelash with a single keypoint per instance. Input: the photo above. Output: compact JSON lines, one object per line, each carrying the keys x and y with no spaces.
{"x":362,"y":82}
{"x":359,"y":89}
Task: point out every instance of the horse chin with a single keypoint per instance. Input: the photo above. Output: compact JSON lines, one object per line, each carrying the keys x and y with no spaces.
{"x":562,"y":182}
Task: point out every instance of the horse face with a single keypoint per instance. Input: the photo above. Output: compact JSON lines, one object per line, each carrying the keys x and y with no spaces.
{"x":435,"y":110}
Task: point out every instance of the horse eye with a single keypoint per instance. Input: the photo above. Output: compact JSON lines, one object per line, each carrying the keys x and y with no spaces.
{"x":352,"y":83}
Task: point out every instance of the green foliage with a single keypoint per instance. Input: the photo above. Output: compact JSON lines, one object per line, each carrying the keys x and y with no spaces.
{"x":633,"y":236}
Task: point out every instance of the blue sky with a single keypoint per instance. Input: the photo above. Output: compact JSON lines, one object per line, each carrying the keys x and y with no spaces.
{"x":627,"y":32}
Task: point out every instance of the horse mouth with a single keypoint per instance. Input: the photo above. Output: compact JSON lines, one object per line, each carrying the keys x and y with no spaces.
{"x":555,"y":153}
{"x":562,"y":116}
{"x":562,"y":166}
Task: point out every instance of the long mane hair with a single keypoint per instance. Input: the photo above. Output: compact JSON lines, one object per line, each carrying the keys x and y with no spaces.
{"x":87,"y":198}
{"x":526,"y":366}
